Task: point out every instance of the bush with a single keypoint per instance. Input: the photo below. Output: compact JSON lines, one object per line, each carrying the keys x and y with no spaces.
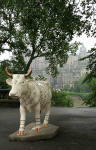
{"x":91,"y":98}
{"x":60,"y":98}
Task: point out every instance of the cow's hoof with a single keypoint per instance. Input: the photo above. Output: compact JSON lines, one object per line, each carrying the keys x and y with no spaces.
{"x":37,"y":129}
{"x":45,"y":125}
{"x":20,"y":132}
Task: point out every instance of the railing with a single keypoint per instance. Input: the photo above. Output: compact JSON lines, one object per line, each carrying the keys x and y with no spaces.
{"x":5,"y":100}
{"x":4,"y":94}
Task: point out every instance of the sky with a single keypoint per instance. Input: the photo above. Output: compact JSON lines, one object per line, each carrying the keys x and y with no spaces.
{"x":88,"y":42}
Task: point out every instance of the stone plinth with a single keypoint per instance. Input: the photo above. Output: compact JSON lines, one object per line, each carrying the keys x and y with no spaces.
{"x":31,"y":135}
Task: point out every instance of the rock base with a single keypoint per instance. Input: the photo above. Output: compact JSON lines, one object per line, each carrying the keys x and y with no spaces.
{"x":31,"y":135}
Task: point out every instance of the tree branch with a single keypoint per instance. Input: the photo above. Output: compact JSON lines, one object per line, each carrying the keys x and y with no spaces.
{"x":7,"y":49}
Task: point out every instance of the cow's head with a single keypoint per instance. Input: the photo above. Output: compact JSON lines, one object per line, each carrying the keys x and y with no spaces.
{"x":17,"y":82}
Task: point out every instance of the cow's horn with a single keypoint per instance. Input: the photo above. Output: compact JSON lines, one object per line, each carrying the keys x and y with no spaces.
{"x":9,"y":74}
{"x":29,"y":73}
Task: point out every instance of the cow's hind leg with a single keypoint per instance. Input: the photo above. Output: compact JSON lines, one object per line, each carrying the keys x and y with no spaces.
{"x":47,"y":113}
{"x":37,"y":118}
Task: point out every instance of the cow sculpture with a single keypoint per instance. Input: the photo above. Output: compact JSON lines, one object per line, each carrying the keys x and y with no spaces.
{"x":34,"y":96}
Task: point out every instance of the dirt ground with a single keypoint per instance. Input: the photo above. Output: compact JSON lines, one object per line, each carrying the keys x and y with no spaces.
{"x":77,"y":129}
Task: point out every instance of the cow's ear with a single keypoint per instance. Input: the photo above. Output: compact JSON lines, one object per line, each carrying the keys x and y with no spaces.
{"x":9,"y":81}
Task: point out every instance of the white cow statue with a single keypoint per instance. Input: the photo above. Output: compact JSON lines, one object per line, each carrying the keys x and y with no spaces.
{"x":34,"y":96}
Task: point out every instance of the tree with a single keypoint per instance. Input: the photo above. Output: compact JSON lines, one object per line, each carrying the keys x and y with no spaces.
{"x":80,"y":86}
{"x":3,"y":76}
{"x":91,"y":98}
{"x":91,"y":77}
{"x":91,"y":67}
{"x":32,"y":29}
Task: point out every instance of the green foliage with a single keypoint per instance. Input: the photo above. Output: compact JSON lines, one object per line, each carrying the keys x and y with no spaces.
{"x":80,"y":87}
{"x":91,"y":67}
{"x":32,"y":29}
{"x":91,"y":98}
{"x":3,"y":78}
{"x":60,"y":98}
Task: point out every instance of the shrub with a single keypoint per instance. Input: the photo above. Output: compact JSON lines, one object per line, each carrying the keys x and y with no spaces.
{"x":91,"y":98}
{"x":60,"y":98}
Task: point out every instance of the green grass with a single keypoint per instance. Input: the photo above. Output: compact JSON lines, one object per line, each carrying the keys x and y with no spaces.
{"x":82,"y":95}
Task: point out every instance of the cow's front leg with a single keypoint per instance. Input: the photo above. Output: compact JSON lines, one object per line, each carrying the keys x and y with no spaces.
{"x":37,"y":117}
{"x":22,"y":120}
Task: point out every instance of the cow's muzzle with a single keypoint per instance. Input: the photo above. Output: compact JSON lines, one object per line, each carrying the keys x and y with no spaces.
{"x":12,"y":94}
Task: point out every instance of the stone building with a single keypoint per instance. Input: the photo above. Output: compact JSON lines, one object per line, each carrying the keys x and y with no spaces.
{"x":70,"y":72}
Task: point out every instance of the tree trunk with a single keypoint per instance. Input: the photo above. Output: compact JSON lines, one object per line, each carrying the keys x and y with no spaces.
{"x":28,"y":64}
{"x":31,"y":59}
